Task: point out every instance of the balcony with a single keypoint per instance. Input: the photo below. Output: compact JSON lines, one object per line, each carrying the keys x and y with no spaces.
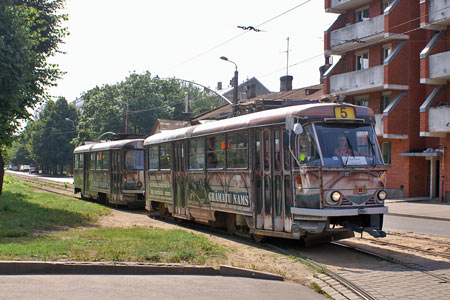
{"x":357,"y":35}
{"x":438,"y":17}
{"x":340,"y":6}
{"x":358,"y":82}
{"x":439,"y":119}
{"x":440,"y":67}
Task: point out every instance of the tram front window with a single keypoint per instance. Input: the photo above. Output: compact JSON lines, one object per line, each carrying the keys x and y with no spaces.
{"x":348,"y":145}
{"x":134,"y":160}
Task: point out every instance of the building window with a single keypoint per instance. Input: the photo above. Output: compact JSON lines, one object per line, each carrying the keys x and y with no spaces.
{"x":386,"y":51}
{"x":362,"y":61}
{"x":386,"y":3}
{"x":364,"y":101}
{"x":362,"y":14}
{"x":386,"y":101}
{"x":386,"y":151}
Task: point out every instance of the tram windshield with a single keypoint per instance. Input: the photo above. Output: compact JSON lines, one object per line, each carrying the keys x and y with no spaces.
{"x":340,"y":145}
{"x":134,"y":160}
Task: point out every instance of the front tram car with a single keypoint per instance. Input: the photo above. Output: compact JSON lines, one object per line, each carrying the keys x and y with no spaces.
{"x":302,"y":172}
{"x":111,"y":172}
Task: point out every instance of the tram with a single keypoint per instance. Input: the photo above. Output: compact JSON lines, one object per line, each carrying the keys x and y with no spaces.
{"x":111,"y":172}
{"x":307,"y":172}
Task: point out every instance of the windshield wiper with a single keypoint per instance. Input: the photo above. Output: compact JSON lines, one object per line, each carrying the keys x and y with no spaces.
{"x":351,"y":151}
{"x":373,"y":150}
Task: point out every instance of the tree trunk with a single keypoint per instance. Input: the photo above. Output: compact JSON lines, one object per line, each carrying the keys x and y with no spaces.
{"x":2,"y":171}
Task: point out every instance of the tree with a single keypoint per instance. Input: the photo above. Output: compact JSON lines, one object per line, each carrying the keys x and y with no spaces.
{"x":147,"y":98}
{"x":30,"y":31}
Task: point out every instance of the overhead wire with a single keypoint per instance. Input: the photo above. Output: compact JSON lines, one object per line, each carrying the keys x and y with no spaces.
{"x":238,"y":35}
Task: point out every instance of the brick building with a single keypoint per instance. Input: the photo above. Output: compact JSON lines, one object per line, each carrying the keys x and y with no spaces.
{"x":394,"y":59}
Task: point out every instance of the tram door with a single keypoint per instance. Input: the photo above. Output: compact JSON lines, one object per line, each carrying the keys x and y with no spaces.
{"x":86,"y":174}
{"x":116,"y":176}
{"x":180,"y":178}
{"x":269,"y":180}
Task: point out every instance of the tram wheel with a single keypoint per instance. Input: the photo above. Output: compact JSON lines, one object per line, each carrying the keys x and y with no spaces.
{"x":258,"y":238}
{"x":231,"y":223}
{"x":162,"y":210}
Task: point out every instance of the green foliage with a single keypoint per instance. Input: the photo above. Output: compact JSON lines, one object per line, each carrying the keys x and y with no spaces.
{"x":29,"y":33}
{"x":148,"y":99}
{"x":23,"y":211}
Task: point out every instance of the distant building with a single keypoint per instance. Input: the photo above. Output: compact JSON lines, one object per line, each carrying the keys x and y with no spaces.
{"x":286,"y":96}
{"x":395,"y":59}
{"x":246,"y":90}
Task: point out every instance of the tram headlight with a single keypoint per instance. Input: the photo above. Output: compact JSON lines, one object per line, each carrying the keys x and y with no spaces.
{"x":381,"y":195}
{"x":333,"y":198}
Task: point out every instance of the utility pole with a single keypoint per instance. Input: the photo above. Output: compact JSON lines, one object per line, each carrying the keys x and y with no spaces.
{"x":235,"y":84}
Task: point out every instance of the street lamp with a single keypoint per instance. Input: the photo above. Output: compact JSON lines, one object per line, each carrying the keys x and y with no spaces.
{"x":73,"y":123}
{"x":235,"y":83}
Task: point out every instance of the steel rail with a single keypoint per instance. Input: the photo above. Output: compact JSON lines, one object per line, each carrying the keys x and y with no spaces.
{"x":393,"y":261}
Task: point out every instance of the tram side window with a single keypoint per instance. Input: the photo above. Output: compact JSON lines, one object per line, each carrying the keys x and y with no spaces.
{"x":81,"y":161}
{"x":277,"y":150}
{"x":215,"y":152}
{"x":92,"y":162}
{"x":105,"y":157}
{"x":307,"y":153}
{"x":237,"y":150}
{"x":77,"y":161}
{"x":164,"y":156}
{"x":99,"y":163}
{"x":197,"y":154}
{"x":258,"y":150}
{"x":266,"y":144}
{"x":153,"y":158}
{"x":287,"y":153}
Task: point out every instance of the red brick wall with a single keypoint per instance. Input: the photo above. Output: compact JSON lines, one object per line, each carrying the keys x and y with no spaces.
{"x":445,"y":167}
{"x":424,"y":12}
{"x":396,"y":20}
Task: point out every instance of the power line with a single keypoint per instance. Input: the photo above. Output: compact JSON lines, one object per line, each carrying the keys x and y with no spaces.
{"x":239,"y":35}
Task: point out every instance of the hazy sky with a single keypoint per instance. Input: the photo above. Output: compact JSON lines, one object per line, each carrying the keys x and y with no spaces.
{"x":184,"y":39}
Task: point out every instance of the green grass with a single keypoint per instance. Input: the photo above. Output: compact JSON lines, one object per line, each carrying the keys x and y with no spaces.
{"x":24,"y":212}
{"x":117,"y":244}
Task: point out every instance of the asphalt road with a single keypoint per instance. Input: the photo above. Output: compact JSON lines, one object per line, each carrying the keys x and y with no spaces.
{"x":417,"y":225}
{"x":113,"y":287}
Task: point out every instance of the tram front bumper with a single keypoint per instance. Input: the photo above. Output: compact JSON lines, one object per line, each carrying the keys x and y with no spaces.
{"x":309,"y":213}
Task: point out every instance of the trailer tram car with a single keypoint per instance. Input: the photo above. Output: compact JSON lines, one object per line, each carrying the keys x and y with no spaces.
{"x":111,"y":172}
{"x":273,"y":173}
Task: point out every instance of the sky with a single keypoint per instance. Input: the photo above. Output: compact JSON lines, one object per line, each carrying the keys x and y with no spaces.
{"x":110,"y":39}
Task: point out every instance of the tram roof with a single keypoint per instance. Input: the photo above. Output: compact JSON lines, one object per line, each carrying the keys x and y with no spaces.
{"x":128,"y":144}
{"x":317,"y":111}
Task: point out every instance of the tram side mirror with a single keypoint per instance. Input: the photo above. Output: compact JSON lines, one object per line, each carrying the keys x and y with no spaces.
{"x":289,"y":123}
{"x":298,"y":128}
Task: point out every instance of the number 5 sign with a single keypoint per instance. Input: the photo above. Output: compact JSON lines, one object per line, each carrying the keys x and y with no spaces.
{"x":344,"y":112}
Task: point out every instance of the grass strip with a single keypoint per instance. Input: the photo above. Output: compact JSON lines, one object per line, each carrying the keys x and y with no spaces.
{"x":24,"y":211}
{"x":114,"y":244}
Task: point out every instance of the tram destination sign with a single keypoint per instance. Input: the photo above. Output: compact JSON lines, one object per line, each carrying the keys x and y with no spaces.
{"x":229,"y":198}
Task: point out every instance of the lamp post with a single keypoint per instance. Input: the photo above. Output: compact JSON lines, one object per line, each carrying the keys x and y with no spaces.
{"x":235,"y":84}
{"x":73,"y":123}
{"x":127,"y":112}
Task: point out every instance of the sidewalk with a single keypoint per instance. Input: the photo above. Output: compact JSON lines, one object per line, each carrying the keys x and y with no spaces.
{"x":419,"y":208}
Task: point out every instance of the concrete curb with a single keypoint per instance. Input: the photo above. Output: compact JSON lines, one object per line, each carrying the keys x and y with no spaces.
{"x":93,"y":268}
{"x":419,"y":217}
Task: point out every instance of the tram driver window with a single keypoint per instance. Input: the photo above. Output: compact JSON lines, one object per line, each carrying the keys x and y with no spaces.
{"x":92,"y":162}
{"x":307,"y":153}
{"x":153,"y":162}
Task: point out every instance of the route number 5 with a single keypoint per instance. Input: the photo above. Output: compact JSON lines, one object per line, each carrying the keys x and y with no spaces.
{"x":344,"y":112}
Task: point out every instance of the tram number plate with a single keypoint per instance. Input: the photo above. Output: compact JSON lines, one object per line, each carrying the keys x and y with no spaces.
{"x":344,"y":112}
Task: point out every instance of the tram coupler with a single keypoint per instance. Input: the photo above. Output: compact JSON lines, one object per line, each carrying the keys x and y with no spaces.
{"x":376,"y":233}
